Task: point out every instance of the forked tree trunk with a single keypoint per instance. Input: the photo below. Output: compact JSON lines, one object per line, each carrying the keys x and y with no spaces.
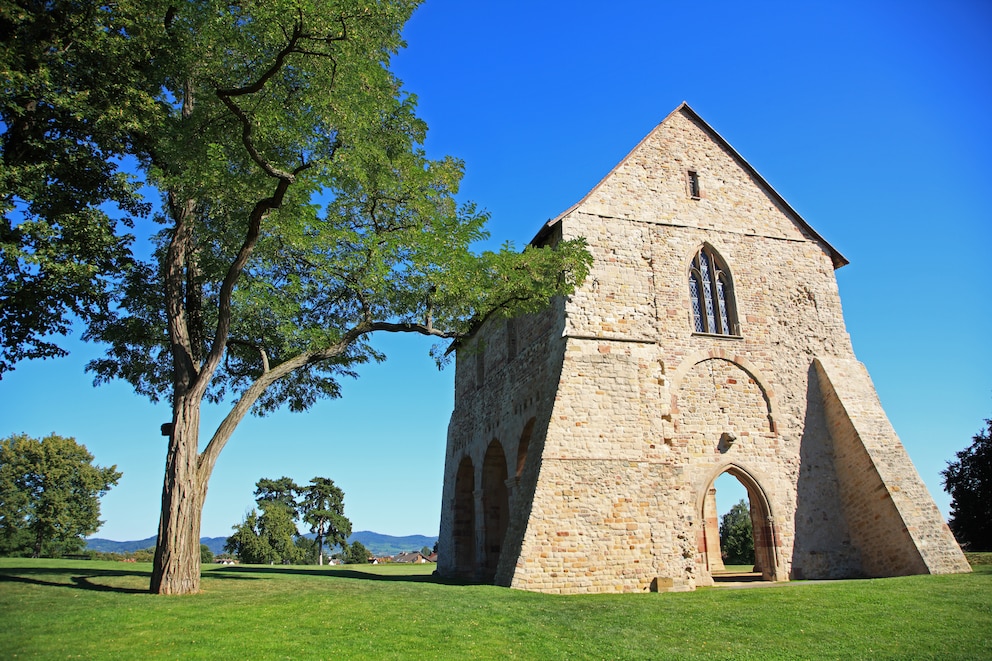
{"x":177,"y":551}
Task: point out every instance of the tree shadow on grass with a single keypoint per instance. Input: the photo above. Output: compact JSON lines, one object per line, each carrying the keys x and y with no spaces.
{"x":92,"y":579}
{"x":233,"y":571}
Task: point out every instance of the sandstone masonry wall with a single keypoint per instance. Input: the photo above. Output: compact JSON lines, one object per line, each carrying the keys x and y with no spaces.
{"x":632,"y":414}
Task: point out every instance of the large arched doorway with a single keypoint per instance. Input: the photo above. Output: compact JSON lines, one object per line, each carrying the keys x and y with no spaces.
{"x":495,"y":507}
{"x":762,"y":528}
{"x":463,"y":523}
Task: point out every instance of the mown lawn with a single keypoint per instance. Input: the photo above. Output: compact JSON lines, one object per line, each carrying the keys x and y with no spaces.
{"x":101,"y":610}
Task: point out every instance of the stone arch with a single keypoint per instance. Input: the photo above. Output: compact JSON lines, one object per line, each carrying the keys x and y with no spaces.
{"x":524,"y":445}
{"x":740,"y":362}
{"x":463,"y":521}
{"x":766,"y":538}
{"x":495,"y":507}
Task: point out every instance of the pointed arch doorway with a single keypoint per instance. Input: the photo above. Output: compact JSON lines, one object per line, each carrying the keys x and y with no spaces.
{"x":495,"y":508}
{"x":766,"y":562}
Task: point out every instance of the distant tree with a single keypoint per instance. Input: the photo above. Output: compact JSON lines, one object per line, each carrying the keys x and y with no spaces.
{"x":247,"y":543}
{"x":266,"y":538}
{"x":269,"y":534}
{"x":425,"y":551}
{"x":322,"y":505}
{"x":306,"y":550}
{"x":206,"y":555}
{"x":277,"y":528}
{"x":357,"y":554}
{"x":49,"y":495}
{"x":282,"y":491}
{"x":736,"y":536}
{"x":143,"y":555}
{"x":968,"y":480}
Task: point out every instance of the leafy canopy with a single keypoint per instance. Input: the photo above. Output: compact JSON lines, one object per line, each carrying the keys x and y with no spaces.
{"x":356,"y":554}
{"x":968,"y":479}
{"x":66,"y":117}
{"x":295,"y":212}
{"x":736,"y":535}
{"x":272,"y":536}
{"x":299,"y":211}
{"x":49,"y":495}
{"x":322,"y":505}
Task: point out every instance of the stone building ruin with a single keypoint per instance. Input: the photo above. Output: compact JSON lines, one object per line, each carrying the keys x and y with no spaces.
{"x":708,"y":339}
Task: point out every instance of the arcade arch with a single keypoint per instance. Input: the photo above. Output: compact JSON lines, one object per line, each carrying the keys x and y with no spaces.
{"x":495,"y":507}
{"x":463,"y":521}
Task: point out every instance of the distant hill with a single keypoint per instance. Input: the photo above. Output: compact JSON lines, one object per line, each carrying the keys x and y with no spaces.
{"x":377,"y":543}
{"x":215,"y":544}
{"x":110,"y":546}
{"x":380,"y":544}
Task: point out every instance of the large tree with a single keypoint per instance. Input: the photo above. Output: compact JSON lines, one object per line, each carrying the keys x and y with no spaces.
{"x":49,"y":495}
{"x":736,"y":535}
{"x":322,"y":504}
{"x":78,"y":89}
{"x":968,"y":479}
{"x":299,"y":216}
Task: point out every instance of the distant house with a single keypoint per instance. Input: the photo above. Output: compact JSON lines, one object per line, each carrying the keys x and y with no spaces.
{"x":416,"y":557}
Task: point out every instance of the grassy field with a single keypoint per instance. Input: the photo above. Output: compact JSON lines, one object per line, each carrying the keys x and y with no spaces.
{"x":100,"y":610}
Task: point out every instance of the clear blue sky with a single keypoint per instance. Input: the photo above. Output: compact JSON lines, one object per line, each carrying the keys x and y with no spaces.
{"x":871,"y":118}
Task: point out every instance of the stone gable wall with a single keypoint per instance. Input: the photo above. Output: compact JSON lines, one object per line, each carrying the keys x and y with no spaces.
{"x":634,"y":414}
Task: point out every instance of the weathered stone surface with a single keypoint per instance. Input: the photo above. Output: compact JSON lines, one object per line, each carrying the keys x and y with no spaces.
{"x":585,"y":440}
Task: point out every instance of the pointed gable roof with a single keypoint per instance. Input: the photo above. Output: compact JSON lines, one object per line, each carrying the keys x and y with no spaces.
{"x":836,"y":257}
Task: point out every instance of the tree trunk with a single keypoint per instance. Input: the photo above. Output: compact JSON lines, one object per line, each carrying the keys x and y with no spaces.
{"x":177,"y":551}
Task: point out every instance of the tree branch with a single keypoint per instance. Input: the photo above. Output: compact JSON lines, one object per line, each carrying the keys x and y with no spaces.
{"x":262,"y":354}
{"x":267,"y":75}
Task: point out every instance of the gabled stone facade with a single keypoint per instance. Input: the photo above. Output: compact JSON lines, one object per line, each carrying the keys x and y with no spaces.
{"x":708,"y":338}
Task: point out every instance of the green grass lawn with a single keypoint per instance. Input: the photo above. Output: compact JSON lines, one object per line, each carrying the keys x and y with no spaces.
{"x":101,"y":610}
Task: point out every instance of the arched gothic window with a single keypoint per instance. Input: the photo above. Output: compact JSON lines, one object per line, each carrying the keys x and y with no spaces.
{"x":712,"y":293}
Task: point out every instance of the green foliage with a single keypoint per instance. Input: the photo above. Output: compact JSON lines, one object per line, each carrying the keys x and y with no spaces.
{"x":976,"y":558}
{"x":399,"y":611}
{"x":66,"y":117}
{"x":266,"y":538}
{"x":306,"y":551}
{"x":299,"y":212}
{"x":272,"y":537}
{"x":247,"y":543}
{"x":312,"y":215}
{"x":206,"y":555}
{"x":49,"y":495}
{"x":736,"y":536}
{"x":968,"y":480}
{"x":356,"y":554}
{"x":322,"y":505}
{"x":281,"y":492}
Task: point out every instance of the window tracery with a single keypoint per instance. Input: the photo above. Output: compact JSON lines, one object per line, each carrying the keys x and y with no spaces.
{"x":711,"y":292}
